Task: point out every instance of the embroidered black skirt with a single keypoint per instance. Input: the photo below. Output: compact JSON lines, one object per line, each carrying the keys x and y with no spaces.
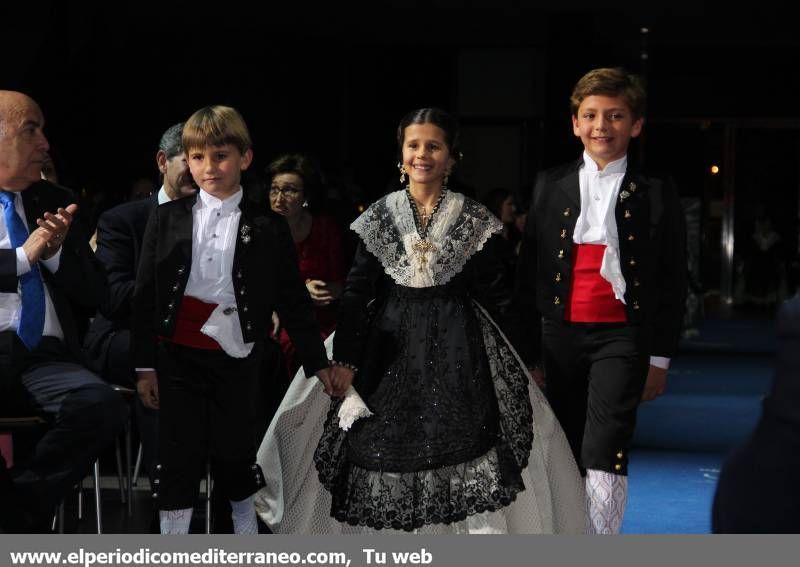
{"x":451,"y":429}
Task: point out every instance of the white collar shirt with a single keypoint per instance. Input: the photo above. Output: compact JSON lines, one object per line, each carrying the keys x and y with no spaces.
{"x":596,"y":223}
{"x":599,"y":191}
{"x":11,"y":303}
{"x":162,"y":196}
{"x":215,"y":228}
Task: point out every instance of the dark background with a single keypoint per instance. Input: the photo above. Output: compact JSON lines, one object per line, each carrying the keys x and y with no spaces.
{"x":334,"y":79}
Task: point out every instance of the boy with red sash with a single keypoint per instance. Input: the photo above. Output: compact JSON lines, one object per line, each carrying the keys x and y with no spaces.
{"x":603,"y":266}
{"x":214,"y":266}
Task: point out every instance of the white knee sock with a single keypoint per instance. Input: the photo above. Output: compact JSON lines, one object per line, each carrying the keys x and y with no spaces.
{"x":243,"y":514}
{"x":175,"y":521}
{"x":606,"y":496}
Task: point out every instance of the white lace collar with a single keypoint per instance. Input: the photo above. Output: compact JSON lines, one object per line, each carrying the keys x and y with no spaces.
{"x":458,"y":230}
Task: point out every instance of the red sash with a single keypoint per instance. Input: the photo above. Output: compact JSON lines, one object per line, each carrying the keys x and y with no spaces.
{"x":591,"y":297}
{"x":192,"y":315}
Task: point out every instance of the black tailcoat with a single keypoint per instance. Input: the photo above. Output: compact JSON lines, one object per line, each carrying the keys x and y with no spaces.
{"x":265,"y":279}
{"x":652,"y":246}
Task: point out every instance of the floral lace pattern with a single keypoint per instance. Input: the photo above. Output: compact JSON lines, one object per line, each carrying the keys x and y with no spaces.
{"x":423,"y":495}
{"x":460,"y":229}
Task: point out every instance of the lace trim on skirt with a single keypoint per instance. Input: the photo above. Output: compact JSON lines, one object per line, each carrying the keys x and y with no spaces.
{"x":409,"y":500}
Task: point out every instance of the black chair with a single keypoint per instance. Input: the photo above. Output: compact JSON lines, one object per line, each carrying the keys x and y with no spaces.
{"x":126,"y":489}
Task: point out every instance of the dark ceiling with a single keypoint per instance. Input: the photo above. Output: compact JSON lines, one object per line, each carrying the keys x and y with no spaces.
{"x":334,"y":80}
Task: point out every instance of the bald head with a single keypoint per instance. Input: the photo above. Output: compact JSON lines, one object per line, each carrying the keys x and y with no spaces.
{"x":23,"y":146}
{"x":12,"y":107}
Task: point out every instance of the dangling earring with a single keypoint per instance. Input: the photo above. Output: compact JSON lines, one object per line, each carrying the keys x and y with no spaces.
{"x":446,"y":179}
{"x":305,"y":204}
{"x":402,"y":169}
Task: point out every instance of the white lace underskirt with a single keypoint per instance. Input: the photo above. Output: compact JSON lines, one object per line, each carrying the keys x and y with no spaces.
{"x":294,"y":502}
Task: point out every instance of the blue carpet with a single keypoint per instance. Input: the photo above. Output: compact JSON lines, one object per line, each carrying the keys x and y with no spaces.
{"x":671,"y":492}
{"x":712,"y":403}
{"x":739,"y":335}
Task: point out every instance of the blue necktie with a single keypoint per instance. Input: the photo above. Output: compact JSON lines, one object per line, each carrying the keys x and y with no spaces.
{"x":31,"y":320}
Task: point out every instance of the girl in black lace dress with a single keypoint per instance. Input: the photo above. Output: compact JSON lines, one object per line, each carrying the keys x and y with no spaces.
{"x":457,"y":438}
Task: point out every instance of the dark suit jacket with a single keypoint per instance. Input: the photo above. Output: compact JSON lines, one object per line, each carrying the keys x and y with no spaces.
{"x":758,"y":490}
{"x":120,"y":234}
{"x":652,"y":240}
{"x":265,"y":279}
{"x":79,"y":284}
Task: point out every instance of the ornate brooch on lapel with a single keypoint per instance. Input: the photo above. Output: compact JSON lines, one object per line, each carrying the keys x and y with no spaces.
{"x":625,"y":193}
{"x":245,"y":233}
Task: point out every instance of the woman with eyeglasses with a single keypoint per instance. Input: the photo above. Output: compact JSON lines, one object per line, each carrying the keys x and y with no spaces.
{"x":294,"y":189}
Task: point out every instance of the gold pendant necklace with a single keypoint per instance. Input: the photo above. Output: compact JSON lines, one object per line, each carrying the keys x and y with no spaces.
{"x":422,"y":218}
{"x":422,"y":248}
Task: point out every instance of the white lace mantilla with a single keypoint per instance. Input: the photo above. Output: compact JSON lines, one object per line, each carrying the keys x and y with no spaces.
{"x":458,"y":230}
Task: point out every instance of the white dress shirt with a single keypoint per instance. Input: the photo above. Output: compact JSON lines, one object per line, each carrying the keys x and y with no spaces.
{"x":11,"y":303}
{"x":215,"y":229}
{"x":599,"y":191}
{"x":162,"y":196}
{"x":597,"y":223}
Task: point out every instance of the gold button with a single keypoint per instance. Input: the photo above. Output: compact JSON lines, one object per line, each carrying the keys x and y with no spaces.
{"x":627,"y":214}
{"x":557,"y":301}
{"x":619,"y":455}
{"x":630,"y":237}
{"x":635,"y":305}
{"x":561,"y":253}
{"x":558,"y":277}
{"x":563,"y":233}
{"x":636,"y":282}
{"x":618,"y":467}
{"x":632,"y":186}
{"x":632,"y":262}
{"x":567,"y":212}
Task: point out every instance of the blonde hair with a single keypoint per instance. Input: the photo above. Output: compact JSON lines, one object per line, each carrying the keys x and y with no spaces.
{"x":216,"y":126}
{"x":614,"y":82}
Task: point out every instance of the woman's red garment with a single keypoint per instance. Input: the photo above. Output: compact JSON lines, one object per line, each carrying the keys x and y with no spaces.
{"x":320,"y":258}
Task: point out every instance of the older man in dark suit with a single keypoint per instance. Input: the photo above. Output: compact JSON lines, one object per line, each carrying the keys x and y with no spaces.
{"x":46,"y":271}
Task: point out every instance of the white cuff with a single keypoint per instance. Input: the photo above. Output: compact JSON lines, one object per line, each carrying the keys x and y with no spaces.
{"x":352,"y":408}
{"x":53,"y":262}
{"x":23,"y":266}
{"x":660,"y":362}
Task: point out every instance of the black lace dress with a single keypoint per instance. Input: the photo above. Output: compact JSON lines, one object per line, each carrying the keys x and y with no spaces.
{"x":451,"y":426}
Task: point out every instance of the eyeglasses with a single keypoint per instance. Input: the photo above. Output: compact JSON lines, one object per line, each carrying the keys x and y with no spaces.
{"x":287,"y":191}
